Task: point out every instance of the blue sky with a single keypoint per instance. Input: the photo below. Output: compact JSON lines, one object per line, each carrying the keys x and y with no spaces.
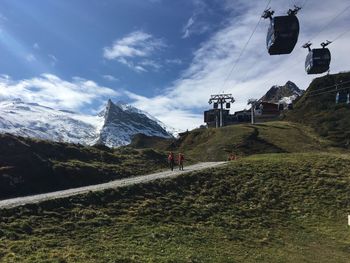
{"x":66,"y":38}
{"x":163,"y":56}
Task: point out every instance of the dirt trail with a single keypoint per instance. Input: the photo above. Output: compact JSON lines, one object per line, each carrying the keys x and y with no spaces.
{"x":9,"y":203}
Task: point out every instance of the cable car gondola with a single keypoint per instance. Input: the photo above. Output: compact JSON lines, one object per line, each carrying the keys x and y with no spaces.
{"x":318,"y":59}
{"x":342,"y":97}
{"x":283,"y":32}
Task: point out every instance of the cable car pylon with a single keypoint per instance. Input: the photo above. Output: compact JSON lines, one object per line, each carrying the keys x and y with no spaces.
{"x":221,"y":99}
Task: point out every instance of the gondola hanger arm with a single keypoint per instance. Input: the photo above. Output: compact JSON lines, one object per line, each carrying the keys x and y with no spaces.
{"x":307,"y":45}
{"x":293,"y":12}
{"x":324,"y":44}
{"x":268,"y":13}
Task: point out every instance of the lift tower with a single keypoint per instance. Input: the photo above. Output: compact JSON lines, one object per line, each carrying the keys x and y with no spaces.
{"x":252,"y":102}
{"x":221,"y":99}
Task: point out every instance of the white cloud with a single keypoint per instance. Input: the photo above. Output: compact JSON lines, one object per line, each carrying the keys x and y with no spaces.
{"x":30,"y":58}
{"x":133,"y":45}
{"x":151,"y":64}
{"x":162,"y":107}
{"x":132,"y":65}
{"x":53,"y":59}
{"x":199,"y":23}
{"x":134,"y":50}
{"x":4,"y":76}
{"x":256,"y":71}
{"x":36,"y":46}
{"x":175,"y":61}
{"x":110,"y":78}
{"x":186,"y":30}
{"x":3,"y":17}
{"x":52,"y":91}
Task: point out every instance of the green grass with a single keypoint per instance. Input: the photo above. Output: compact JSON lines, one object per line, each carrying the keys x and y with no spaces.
{"x":264,"y":208}
{"x":29,"y":166}
{"x":317,"y":109}
{"x":244,"y":139}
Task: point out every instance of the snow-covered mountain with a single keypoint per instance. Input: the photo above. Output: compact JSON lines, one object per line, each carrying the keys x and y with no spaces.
{"x":122,"y":121}
{"x":283,"y":94}
{"x":114,"y":127}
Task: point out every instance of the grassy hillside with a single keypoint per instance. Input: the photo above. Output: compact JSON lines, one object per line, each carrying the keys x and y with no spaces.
{"x":244,"y":139}
{"x":264,"y":208}
{"x":30,"y":166}
{"x":317,"y":109}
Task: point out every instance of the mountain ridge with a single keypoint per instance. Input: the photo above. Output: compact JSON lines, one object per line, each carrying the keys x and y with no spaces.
{"x":33,"y":120}
{"x":285,"y":94}
{"x":122,"y":121}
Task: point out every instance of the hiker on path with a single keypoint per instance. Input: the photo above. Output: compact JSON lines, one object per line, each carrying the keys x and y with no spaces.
{"x":232,"y":157}
{"x":171,"y":160}
{"x":180,"y":160}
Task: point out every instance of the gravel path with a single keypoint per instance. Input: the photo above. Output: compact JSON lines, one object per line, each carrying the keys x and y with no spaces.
{"x":9,"y":203}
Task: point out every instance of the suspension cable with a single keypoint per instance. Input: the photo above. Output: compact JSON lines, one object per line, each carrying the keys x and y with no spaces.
{"x":324,"y":88}
{"x":325,"y":92}
{"x":315,"y":35}
{"x":330,"y":22}
{"x":305,"y":2}
{"x":244,"y":47}
{"x":341,"y":35}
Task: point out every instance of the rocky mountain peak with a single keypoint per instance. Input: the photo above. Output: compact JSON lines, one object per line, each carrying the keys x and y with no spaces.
{"x":114,"y":126}
{"x":291,"y":86}
{"x":123,"y":121}
{"x":287,"y":93}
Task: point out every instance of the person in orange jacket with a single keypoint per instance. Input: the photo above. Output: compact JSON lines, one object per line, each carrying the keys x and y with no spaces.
{"x":180,"y":160}
{"x":232,"y":157}
{"x":171,"y":160}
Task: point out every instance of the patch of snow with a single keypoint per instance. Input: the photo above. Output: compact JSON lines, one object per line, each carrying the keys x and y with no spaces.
{"x":288,"y":100}
{"x":127,"y":107}
{"x":37,"y":121}
{"x":31,"y":120}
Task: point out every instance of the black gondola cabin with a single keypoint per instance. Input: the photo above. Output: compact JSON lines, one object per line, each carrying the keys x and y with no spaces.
{"x":283,"y":32}
{"x":342,"y":97}
{"x":318,"y":60}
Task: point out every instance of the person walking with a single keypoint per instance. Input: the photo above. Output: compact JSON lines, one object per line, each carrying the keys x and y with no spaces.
{"x":180,"y":160}
{"x":232,"y":157}
{"x":171,"y":160}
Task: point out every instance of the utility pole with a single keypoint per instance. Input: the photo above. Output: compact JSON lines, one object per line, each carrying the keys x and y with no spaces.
{"x":221,"y":99}
{"x":252,"y":102}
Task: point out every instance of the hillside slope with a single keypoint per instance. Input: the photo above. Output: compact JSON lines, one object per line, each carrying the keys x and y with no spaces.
{"x":30,"y":166}
{"x":244,"y":139}
{"x":317,"y":108}
{"x":264,"y":208}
